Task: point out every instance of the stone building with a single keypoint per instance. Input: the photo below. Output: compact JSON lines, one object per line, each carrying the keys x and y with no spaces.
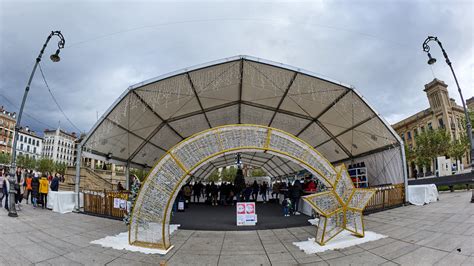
{"x":7,"y":130}
{"x":59,"y":146}
{"x":470,"y":104}
{"x":442,"y":113}
{"x":29,"y":144}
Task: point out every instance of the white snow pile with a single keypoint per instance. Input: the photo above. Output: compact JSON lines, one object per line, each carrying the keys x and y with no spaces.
{"x":342,"y":240}
{"x":120,"y":242}
{"x":314,"y":221}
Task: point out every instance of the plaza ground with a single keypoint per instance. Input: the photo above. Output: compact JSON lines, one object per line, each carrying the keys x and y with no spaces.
{"x":222,"y":218}
{"x":440,"y":233}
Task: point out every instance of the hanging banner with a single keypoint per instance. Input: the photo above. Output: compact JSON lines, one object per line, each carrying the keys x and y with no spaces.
{"x":246,"y":214}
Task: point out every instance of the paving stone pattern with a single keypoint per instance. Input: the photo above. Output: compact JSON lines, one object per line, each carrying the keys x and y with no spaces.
{"x":441,"y":233}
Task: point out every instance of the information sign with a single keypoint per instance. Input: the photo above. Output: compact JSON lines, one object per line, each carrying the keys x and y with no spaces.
{"x":246,"y":214}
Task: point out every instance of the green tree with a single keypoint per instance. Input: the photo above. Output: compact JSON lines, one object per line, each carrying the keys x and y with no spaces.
{"x":60,"y":168}
{"x":431,"y":144}
{"x":228,"y":174}
{"x":214,"y":176}
{"x":258,"y":172}
{"x":45,"y":165}
{"x":21,"y":160}
{"x":410,"y":153}
{"x":5,"y":158}
{"x":459,"y":147}
{"x":30,"y":163}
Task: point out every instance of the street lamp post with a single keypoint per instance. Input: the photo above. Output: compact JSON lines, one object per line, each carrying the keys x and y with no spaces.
{"x":431,"y":61}
{"x":55,"y":58}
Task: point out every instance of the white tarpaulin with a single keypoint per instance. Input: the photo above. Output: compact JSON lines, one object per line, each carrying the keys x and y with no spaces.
{"x":61,"y":201}
{"x":153,"y":116}
{"x":422,"y":194}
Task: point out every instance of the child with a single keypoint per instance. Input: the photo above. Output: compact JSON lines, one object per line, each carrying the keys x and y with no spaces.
{"x":286,"y":206}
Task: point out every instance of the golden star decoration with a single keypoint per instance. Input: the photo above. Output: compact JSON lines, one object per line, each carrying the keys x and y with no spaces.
{"x":340,"y":208}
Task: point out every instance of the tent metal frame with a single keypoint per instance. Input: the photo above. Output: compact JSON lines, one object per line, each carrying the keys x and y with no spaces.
{"x":276,"y":110}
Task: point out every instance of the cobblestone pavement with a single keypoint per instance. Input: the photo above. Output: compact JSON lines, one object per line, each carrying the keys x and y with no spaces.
{"x":440,"y":233}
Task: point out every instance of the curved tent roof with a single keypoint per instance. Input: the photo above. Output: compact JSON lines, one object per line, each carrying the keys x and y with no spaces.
{"x":151,"y":117}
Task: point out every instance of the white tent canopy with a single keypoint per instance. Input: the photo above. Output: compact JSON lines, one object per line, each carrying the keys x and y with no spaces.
{"x":151,"y":117}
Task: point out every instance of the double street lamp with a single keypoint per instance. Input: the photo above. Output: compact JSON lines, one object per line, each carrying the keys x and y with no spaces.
{"x":55,"y":58}
{"x":431,"y":61}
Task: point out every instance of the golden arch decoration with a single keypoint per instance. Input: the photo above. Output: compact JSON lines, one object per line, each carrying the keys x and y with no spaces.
{"x":149,"y":225}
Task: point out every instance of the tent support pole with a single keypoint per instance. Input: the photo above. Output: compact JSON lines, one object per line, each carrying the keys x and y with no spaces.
{"x":77,"y":208}
{"x":404,"y":162}
{"x":127,"y":176}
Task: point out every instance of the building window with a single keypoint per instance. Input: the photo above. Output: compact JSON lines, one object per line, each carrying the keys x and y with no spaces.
{"x":441,"y":123}
{"x":430,"y":126}
{"x":34,"y":149}
{"x":21,"y":138}
{"x":409,"y":135}
{"x":403,"y":137}
{"x":422,"y":129}
{"x":28,"y":148}
{"x":21,"y":146}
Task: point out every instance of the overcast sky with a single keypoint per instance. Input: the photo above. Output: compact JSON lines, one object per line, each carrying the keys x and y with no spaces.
{"x":376,"y":46}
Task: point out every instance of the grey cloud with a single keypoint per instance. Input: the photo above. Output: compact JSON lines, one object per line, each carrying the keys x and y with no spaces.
{"x":372,"y":45}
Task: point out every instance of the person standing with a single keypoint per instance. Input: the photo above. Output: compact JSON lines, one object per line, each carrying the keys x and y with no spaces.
{"x":275,"y":190}
{"x":43,"y":190}
{"x":263,"y":191}
{"x":295,"y":194}
{"x":214,"y":193}
{"x":21,"y":188}
{"x":197,"y":188}
{"x":119,"y":186}
{"x":55,"y":183}
{"x":247,"y":192}
{"x":6,"y":189}
{"x":35,"y":190}
{"x":286,"y":204}
{"x":187,"y":191}
{"x":1,"y":187}
{"x":255,"y":189}
{"x":28,"y":188}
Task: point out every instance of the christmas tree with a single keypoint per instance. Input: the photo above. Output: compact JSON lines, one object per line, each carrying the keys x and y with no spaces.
{"x":131,"y":199}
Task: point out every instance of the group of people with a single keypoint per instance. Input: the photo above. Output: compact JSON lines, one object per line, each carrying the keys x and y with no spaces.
{"x":224,"y":194}
{"x":29,"y":186}
{"x":228,"y":193}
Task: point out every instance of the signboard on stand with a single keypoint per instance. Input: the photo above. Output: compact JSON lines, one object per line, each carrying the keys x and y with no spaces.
{"x":246,"y":214}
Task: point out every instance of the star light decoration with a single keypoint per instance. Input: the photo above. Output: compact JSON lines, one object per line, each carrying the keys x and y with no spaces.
{"x":340,"y":208}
